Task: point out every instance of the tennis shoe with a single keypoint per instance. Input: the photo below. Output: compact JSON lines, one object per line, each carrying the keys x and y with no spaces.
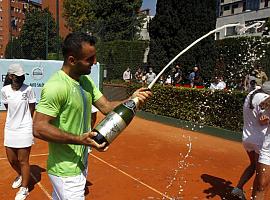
{"x":17,"y":182}
{"x":239,"y":193}
{"x":22,"y":193}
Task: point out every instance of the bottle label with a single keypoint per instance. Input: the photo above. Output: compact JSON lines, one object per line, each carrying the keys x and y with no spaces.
{"x":111,"y":126}
{"x":130,"y":104}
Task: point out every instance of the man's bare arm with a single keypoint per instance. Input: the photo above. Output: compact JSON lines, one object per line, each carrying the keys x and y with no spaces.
{"x":43,"y":129}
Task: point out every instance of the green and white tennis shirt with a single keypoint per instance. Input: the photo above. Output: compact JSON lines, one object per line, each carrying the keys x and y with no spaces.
{"x":70,"y":103}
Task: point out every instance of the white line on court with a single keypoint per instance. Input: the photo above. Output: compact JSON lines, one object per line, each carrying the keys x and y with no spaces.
{"x":151,"y":188}
{"x":49,"y":196}
{"x":38,"y":183}
{"x":41,"y":186}
{"x":34,"y":155}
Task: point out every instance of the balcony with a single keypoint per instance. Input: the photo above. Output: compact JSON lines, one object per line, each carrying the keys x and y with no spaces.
{"x":225,"y":2}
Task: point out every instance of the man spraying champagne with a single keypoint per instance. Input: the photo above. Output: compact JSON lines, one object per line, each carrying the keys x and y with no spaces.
{"x":63,"y":116}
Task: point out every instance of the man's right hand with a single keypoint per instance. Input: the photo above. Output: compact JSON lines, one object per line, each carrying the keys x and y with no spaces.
{"x":87,"y":140}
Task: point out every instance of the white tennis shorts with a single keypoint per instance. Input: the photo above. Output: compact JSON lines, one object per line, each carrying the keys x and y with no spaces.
{"x":69,"y":188}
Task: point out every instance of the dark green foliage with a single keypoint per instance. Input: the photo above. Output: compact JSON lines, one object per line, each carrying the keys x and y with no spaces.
{"x":238,"y":56}
{"x":106,"y":19}
{"x":176,"y":25}
{"x":14,"y":49}
{"x":118,"y":55}
{"x":218,"y":109}
{"x":33,"y":34}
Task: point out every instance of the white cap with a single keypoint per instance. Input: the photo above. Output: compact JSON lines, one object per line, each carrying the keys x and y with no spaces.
{"x":16,"y":69}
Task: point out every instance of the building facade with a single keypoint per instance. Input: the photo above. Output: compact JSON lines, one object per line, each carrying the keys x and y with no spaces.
{"x":244,"y":12}
{"x":52,"y":6}
{"x":12,"y":16}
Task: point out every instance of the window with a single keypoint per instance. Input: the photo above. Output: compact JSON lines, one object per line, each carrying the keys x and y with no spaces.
{"x":235,"y":6}
{"x":217,"y":35}
{"x":14,"y":23}
{"x":226,"y":8}
{"x":230,"y":31}
{"x":244,"y":6}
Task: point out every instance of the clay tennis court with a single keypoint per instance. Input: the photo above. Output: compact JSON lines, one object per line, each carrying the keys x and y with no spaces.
{"x":148,"y":161}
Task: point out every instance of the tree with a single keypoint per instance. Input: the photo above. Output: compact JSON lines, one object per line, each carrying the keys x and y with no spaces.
{"x":14,"y":49}
{"x":33,"y":34}
{"x":176,"y":25}
{"x":79,"y":14}
{"x":107,"y":19}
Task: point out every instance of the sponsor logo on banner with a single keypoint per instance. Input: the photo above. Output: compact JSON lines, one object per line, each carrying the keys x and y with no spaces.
{"x":38,"y":73}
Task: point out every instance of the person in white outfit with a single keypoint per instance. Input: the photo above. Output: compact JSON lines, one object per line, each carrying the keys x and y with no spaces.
{"x":150,"y":76}
{"x":262,"y":179}
{"x":218,"y":84}
{"x":255,"y":128}
{"x":127,"y":76}
{"x":19,"y":100}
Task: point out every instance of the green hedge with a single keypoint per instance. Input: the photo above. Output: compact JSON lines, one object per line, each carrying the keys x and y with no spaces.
{"x":221,"y":109}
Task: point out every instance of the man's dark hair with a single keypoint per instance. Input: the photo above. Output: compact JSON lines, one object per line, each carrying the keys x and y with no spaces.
{"x":73,"y":44}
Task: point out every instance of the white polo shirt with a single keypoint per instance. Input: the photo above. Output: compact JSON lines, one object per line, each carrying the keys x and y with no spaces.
{"x":253,"y":131}
{"x":18,"y":127}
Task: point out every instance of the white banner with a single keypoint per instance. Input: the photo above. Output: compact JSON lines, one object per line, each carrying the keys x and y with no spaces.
{"x":39,"y":72}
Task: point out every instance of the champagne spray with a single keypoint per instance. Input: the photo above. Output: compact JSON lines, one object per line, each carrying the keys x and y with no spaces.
{"x":117,"y":120}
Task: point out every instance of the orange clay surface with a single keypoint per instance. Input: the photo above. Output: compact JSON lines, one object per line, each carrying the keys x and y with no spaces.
{"x":148,"y":161}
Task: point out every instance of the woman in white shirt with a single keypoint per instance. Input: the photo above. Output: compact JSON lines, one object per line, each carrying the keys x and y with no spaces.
{"x":19,"y":100}
{"x":256,"y":121}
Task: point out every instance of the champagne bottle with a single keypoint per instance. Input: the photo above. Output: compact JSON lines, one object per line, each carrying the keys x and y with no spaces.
{"x":116,"y":121}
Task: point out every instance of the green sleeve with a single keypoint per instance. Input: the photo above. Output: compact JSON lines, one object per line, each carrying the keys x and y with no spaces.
{"x":53,"y":97}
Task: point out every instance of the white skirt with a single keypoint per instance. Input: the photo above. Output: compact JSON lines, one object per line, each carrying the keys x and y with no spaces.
{"x":18,"y":139}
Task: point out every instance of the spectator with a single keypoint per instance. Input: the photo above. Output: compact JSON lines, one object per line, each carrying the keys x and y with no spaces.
{"x":261,"y":76}
{"x":169,"y":80}
{"x":138,"y":75}
{"x":162,"y":79}
{"x":248,"y":85}
{"x":178,"y":75}
{"x":194,"y":77}
{"x":127,"y":76}
{"x":218,"y":84}
{"x":150,"y":76}
{"x":144,"y":78}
